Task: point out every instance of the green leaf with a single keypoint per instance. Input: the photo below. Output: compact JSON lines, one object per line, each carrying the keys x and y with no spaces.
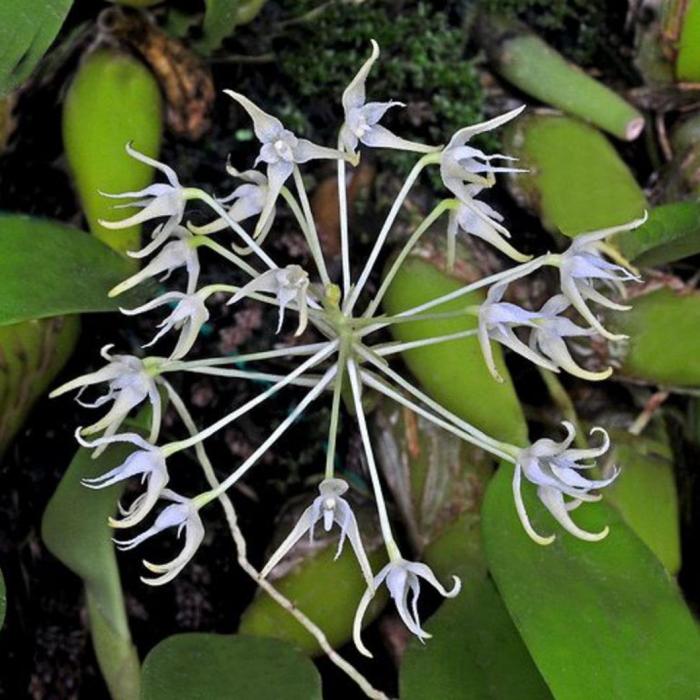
{"x":48,"y":269}
{"x":207,"y":666}
{"x":597,"y":617}
{"x":223,"y":16}
{"x":645,"y":493}
{"x":27,"y":29}
{"x":75,"y":530}
{"x":475,"y":653}
{"x":672,"y":232}
{"x":454,"y":373}
{"x":576,"y":181}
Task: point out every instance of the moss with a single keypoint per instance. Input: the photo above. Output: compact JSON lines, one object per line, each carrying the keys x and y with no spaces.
{"x":423,"y":64}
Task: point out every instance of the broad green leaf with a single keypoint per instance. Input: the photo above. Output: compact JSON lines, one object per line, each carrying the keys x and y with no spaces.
{"x":645,"y":493}
{"x":49,"y":269}
{"x":223,"y":16}
{"x":212,"y":667}
{"x":27,"y":29}
{"x":600,"y":619}
{"x":688,"y":58}
{"x":576,"y":181}
{"x":664,"y":337}
{"x":475,"y":653}
{"x":75,"y":530}
{"x":325,"y":589}
{"x":454,"y":373}
{"x":672,"y":232}
{"x":3,"y":600}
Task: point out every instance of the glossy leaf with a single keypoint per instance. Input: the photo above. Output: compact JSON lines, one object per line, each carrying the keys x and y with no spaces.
{"x":207,"y":666}
{"x":475,"y":654}
{"x":576,"y":181}
{"x":49,"y":269}
{"x":454,"y":372}
{"x":325,"y":590}
{"x":599,"y":618}
{"x":664,"y":337}
{"x":672,"y":232}
{"x":27,"y":29}
{"x":645,"y":493}
{"x":75,"y":530}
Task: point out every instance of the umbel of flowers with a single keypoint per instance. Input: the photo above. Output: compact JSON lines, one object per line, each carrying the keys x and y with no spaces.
{"x":348,"y":357}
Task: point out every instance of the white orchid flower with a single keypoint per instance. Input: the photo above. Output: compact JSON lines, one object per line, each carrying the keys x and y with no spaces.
{"x":361,"y":117}
{"x":182,"y":514}
{"x":129,"y":383}
{"x":280,"y":150}
{"x":157,"y":201}
{"x":582,"y":264}
{"x":188,"y":316}
{"x":148,"y":462}
{"x":548,"y":333}
{"x":402,"y":577}
{"x":288,"y":284}
{"x":247,"y":200}
{"x":461,"y":164}
{"x":174,"y":254}
{"x":330,"y":507}
{"x":479,"y":219}
{"x":554,"y":468}
{"x":497,"y":319}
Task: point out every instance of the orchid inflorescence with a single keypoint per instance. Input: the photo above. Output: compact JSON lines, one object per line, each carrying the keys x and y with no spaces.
{"x":346,"y":361}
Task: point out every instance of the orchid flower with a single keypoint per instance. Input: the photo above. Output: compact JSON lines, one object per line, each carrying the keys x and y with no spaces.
{"x":157,"y":201}
{"x":496,"y":322}
{"x":361,"y":117}
{"x":461,"y":164}
{"x":184,"y":515}
{"x":174,"y":254}
{"x":402,"y":577}
{"x":554,"y":468}
{"x":330,"y":507}
{"x":582,"y":264}
{"x":147,"y":462}
{"x":248,"y":200}
{"x":288,"y":284}
{"x":129,"y":383}
{"x":188,"y":316}
{"x":479,"y":219}
{"x":281,"y":150}
{"x":548,"y":333}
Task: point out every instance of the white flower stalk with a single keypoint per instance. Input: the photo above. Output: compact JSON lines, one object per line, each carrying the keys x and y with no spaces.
{"x":548,"y":333}
{"x":148,"y":462}
{"x":555,"y":469}
{"x":175,"y":254}
{"x":402,"y":579}
{"x":288,"y":284}
{"x":157,"y":201}
{"x":478,"y":219}
{"x":188,"y":317}
{"x":582,"y":264}
{"x":330,"y":507}
{"x":281,"y":150}
{"x":496,"y":322}
{"x":129,"y":383}
{"x":245,"y":201}
{"x":361,"y":117}
{"x":461,"y":164}
{"x":184,"y":515}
